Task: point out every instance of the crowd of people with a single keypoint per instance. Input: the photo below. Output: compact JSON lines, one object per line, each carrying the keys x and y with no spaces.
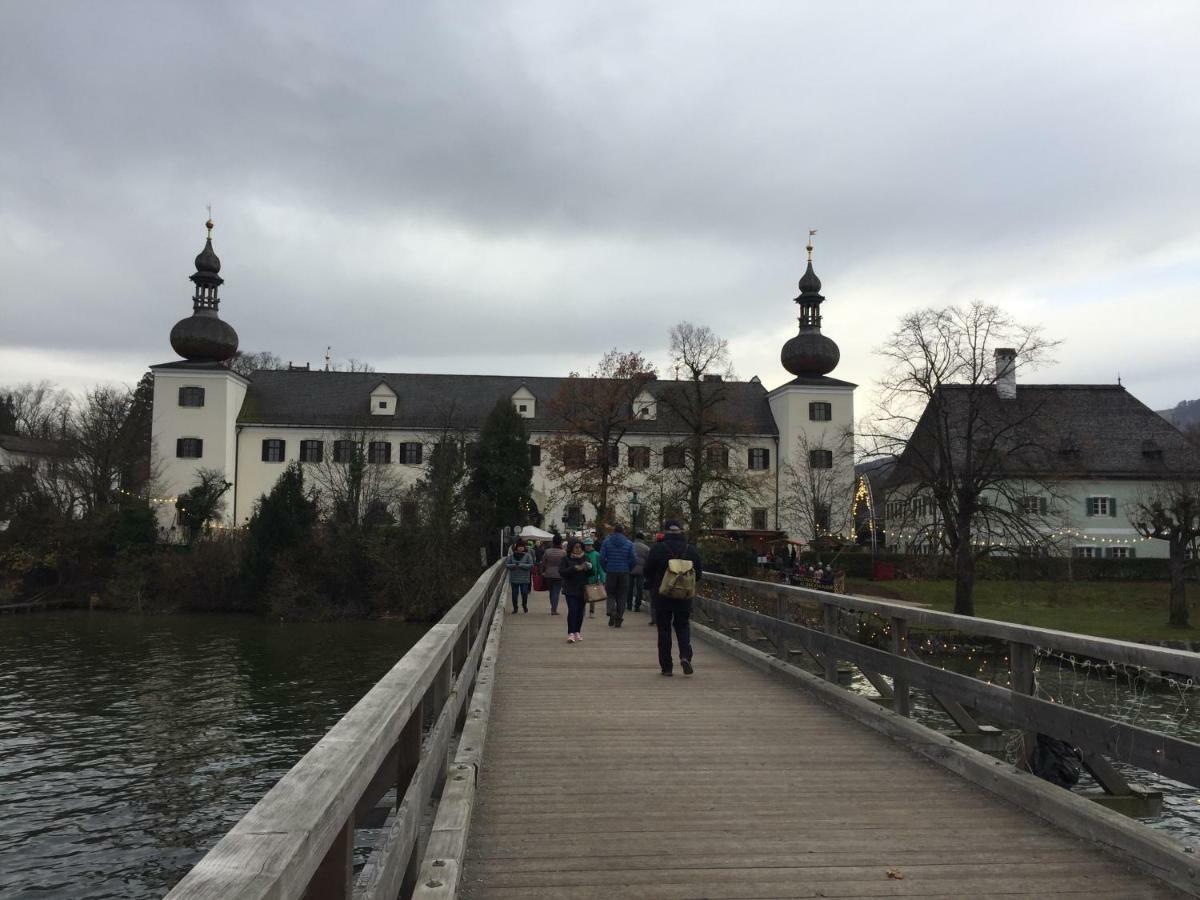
{"x":583,"y":571}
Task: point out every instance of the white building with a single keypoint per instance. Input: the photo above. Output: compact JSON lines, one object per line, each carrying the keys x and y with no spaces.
{"x":250,"y":428}
{"x":1076,"y":459}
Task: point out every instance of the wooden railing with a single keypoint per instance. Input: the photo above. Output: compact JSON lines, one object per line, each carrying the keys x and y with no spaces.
{"x":814,"y":624}
{"x":299,"y":839}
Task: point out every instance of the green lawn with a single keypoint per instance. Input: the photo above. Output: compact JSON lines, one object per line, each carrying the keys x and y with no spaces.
{"x":1129,"y":610}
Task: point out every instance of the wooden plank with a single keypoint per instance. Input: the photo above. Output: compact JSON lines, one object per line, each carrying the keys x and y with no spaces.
{"x":1124,"y":652}
{"x":1170,"y":756}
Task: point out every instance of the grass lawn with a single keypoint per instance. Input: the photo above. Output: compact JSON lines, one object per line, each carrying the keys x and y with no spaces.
{"x":1129,"y":610}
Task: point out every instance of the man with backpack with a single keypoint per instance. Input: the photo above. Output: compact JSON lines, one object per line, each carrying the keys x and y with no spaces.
{"x":672,"y":570}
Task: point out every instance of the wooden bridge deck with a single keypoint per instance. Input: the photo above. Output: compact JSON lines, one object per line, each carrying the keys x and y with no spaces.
{"x":602,"y":779}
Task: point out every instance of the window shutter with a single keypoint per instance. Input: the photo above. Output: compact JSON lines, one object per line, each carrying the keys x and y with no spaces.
{"x":420,"y":448}
{"x":1132,"y":552}
{"x":1042,"y":505}
{"x":265,"y":452}
{"x":178,"y":447}
{"x":766,"y":455}
{"x":1091,"y":506}
{"x":1112,"y":507}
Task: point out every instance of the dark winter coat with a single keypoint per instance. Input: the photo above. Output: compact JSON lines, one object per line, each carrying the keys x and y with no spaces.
{"x":575,"y":574}
{"x":673,"y":546}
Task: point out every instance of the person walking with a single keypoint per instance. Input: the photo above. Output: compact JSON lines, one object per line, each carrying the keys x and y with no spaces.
{"x":520,"y":567}
{"x":672,"y":610}
{"x":597,"y":573}
{"x":617,"y":558}
{"x":551,"y":560}
{"x":637,"y":578}
{"x":575,"y":570}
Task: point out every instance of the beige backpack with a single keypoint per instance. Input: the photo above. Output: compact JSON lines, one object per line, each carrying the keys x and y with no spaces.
{"x":679,"y":581}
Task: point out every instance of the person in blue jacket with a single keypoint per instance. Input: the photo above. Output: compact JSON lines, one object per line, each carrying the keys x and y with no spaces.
{"x":617,"y":559}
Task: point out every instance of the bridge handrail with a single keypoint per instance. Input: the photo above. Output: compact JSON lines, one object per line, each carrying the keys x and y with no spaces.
{"x":1161,"y":659}
{"x":964,"y":697}
{"x":298,"y":840}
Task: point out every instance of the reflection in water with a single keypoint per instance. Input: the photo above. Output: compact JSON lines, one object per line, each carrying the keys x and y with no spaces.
{"x":129,"y":745}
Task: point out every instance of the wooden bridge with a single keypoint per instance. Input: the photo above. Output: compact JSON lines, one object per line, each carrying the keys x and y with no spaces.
{"x":497,"y":760}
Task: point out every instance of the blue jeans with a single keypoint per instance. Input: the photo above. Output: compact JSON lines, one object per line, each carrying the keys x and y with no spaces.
{"x":555,"y":587}
{"x":574,"y":613}
{"x":636,"y":584}
{"x":523,"y":590}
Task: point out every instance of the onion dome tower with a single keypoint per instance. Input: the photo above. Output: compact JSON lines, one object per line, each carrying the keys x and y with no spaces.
{"x":810,"y":354}
{"x":202,"y":337}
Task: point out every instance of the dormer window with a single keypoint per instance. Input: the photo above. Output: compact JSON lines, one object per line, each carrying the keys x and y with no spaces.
{"x":645,"y":407}
{"x":525,"y":402}
{"x":383,"y":400}
{"x":1151,"y":451}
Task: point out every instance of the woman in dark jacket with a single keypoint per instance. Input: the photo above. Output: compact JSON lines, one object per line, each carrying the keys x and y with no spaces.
{"x":575,"y":570}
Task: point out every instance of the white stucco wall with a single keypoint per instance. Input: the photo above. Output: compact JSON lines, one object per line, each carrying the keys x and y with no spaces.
{"x":224,"y":392}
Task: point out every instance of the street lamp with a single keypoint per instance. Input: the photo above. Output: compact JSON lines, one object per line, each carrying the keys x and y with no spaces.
{"x":635,"y":507}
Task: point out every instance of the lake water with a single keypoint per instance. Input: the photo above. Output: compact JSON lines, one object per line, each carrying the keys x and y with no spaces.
{"x":129,"y":744}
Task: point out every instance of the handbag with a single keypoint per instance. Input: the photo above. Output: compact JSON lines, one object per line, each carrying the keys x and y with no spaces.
{"x":594,"y":592}
{"x":539,"y":580}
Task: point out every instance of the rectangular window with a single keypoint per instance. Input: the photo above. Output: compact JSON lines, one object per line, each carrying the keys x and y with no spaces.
{"x":820,"y":412}
{"x":1102,"y":506}
{"x":1087,"y":552}
{"x":312,"y":451}
{"x":820,"y":459}
{"x":535,"y":455}
{"x":639,"y":457}
{"x":759,"y":458}
{"x":523,"y":407}
{"x":574,"y":515}
{"x":273,"y":450}
{"x":821,"y":517}
{"x":758,"y":519}
{"x":1120,"y":552}
{"x":1033,"y":506}
{"x":189,"y":448}
{"x":574,"y":456}
{"x":672,"y":457}
{"x":472,"y":452}
{"x":343,"y":451}
{"x":379,"y":452}
{"x":718,"y":518}
{"x":614,"y":456}
{"x":409,"y":513}
{"x":717,"y":457}
{"x":383,"y":404}
{"x":410,"y":453}
{"x":191,"y":396}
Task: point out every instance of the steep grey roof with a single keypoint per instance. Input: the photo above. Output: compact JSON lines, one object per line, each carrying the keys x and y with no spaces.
{"x":34,"y":446}
{"x":1070,"y":431}
{"x":818,"y":381}
{"x":341,"y":399}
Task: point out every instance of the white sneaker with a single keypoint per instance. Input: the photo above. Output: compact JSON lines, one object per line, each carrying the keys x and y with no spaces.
{"x":578,"y":636}
{"x":570,"y":638}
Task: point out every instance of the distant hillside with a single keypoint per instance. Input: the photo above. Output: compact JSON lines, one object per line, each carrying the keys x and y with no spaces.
{"x":1185,"y":414}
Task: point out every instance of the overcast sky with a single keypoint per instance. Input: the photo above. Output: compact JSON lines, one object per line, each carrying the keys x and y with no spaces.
{"x":514,"y":188}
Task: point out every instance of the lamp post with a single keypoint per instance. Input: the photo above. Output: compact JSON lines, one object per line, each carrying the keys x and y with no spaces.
{"x":635,"y":507}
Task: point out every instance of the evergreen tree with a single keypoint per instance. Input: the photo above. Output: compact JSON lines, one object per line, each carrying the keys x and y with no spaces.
{"x":498,"y":490}
{"x":282,"y":520}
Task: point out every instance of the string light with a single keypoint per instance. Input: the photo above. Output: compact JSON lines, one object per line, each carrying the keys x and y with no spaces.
{"x":147,"y":499}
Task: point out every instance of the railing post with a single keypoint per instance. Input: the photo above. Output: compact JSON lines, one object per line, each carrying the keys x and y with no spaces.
{"x":1021,"y":663}
{"x":900,"y":686}
{"x":829,"y":626}
{"x":334,"y":878}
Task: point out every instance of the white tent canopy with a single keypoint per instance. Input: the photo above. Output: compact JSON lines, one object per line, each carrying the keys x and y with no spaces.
{"x":533,"y":533}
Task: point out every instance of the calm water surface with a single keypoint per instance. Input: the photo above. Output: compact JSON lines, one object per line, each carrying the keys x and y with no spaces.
{"x":129,"y":745}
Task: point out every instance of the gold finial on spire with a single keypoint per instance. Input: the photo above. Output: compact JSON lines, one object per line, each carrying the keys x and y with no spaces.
{"x":809,"y":248}
{"x":209,"y":223}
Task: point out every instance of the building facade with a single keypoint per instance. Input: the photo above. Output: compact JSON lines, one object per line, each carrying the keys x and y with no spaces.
{"x":206,"y":416}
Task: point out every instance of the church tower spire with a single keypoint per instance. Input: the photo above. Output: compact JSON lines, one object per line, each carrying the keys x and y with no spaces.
{"x":810,"y":354}
{"x":202,"y":337}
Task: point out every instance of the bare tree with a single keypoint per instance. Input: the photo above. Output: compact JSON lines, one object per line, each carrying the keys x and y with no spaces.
{"x":970,"y":455}
{"x":38,"y":410}
{"x":815,"y":496}
{"x":353,"y":488}
{"x":595,"y":412}
{"x":700,"y":470}
{"x":1170,"y":511}
{"x":101,"y":445}
{"x":245,"y":361}
{"x":203,"y":503}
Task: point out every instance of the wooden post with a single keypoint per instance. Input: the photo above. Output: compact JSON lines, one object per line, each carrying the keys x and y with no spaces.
{"x":829,"y":626}
{"x":900,"y":687}
{"x":1021,"y":662}
{"x":334,"y":878}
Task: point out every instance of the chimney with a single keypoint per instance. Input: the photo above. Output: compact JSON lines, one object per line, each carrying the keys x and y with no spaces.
{"x":1006,"y":373}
